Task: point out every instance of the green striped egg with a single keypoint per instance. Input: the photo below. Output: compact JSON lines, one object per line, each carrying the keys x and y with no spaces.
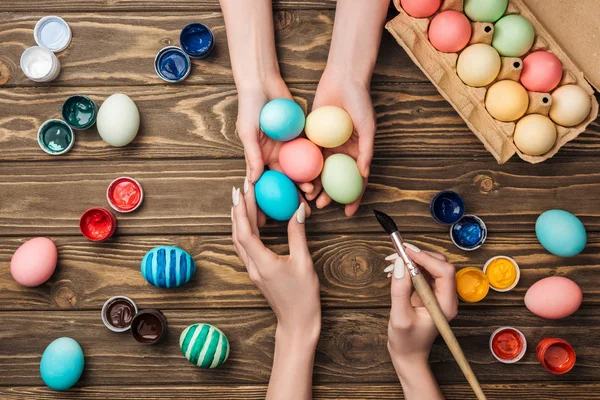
{"x":204,"y":345}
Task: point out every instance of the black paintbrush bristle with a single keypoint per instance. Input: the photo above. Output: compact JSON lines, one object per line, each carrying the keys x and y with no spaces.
{"x":386,"y":222}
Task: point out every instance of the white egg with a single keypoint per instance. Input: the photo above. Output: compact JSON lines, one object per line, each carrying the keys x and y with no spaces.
{"x":570,"y":105}
{"x":118,"y":120}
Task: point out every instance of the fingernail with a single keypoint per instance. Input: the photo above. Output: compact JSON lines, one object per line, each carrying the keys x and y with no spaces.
{"x":389,"y":268}
{"x":391,"y":257}
{"x":389,"y":275}
{"x":246,"y":185}
{"x":412,"y":247}
{"x":399,"y":269}
{"x":301,"y":213}
{"x":235,"y":196}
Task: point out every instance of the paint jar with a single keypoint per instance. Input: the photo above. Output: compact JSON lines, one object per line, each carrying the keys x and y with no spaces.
{"x":556,"y":355}
{"x":469,"y":233}
{"x":502,"y":272}
{"x":172,"y":64}
{"x":197,"y":40}
{"x":508,"y":345}
{"x":53,"y":33}
{"x":124,"y":194}
{"x":97,"y":224}
{"x":118,"y":312}
{"x":447,"y":207}
{"x":471,"y":284}
{"x":80,"y":112}
{"x":40,"y":64}
{"x":149,"y":326}
{"x":55,"y":137}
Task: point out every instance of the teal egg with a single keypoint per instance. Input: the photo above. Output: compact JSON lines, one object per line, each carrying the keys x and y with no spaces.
{"x":485,"y":10}
{"x":341,"y":178}
{"x":62,"y":364}
{"x":276,"y":195}
{"x":167,"y":267}
{"x":513,"y":36}
{"x":561,"y":233}
{"x":282,"y":119}
{"x":204,"y":345}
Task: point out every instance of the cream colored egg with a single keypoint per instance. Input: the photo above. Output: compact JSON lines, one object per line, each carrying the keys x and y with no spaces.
{"x":328,"y":126}
{"x":570,"y":105}
{"x":118,"y":120}
{"x":506,"y":101}
{"x":535,"y":134}
{"x":478,"y":65}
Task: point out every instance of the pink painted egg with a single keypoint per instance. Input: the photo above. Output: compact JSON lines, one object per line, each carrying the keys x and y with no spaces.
{"x":450,"y":31}
{"x":301,"y":160}
{"x":421,"y":8}
{"x":554,"y":297}
{"x":34,"y":262}
{"x":542,"y":72}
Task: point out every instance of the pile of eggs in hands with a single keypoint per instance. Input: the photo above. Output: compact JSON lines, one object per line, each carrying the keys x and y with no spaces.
{"x":301,"y":159}
{"x":479,"y":65}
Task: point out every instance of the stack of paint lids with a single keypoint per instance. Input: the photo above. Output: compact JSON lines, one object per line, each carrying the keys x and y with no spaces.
{"x":39,"y":63}
{"x":173,"y":64}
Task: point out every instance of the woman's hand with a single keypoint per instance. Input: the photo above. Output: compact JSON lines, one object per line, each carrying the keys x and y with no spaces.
{"x":411,"y":331}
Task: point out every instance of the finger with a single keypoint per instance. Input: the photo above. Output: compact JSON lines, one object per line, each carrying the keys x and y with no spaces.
{"x":251,"y":207}
{"x":239,"y":250}
{"x":366,"y":138}
{"x":307,"y":209}
{"x":253,"y":155}
{"x":323,"y":200}
{"x":317,"y":188}
{"x":262,"y":218}
{"x":439,"y":256}
{"x":402,"y":312}
{"x":352,"y":208}
{"x":306,"y":187}
{"x":297,"y":234}
{"x":416,"y":301}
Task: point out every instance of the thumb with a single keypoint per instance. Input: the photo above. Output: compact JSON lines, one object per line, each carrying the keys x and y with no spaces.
{"x":366,"y":140}
{"x":297,"y":233}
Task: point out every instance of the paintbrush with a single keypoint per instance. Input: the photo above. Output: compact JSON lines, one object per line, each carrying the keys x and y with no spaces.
{"x":430,"y":302}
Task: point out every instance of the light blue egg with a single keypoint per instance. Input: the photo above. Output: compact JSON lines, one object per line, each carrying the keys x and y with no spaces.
{"x":167,"y":267}
{"x":276,"y":195}
{"x":62,"y":364}
{"x":561,"y":233}
{"x":282,"y":119}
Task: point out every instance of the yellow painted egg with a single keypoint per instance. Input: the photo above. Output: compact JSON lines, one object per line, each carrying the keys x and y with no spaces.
{"x":570,"y":105}
{"x":535,"y":134}
{"x":478,"y":65}
{"x":328,"y":126}
{"x":506,"y":101}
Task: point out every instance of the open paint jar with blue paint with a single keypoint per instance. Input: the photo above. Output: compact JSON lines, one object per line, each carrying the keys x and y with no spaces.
{"x":80,"y":112}
{"x":468,"y":232}
{"x":172,"y":64}
{"x":197,"y":40}
{"x":55,"y":137}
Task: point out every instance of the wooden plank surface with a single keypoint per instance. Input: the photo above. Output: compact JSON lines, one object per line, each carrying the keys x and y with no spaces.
{"x":352,"y":347}
{"x":350,"y":270}
{"x":124,"y":54}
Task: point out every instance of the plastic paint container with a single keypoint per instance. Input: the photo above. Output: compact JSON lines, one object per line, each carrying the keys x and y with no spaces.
{"x":447,"y":207}
{"x":53,"y":33}
{"x":80,"y":112}
{"x":197,"y":40}
{"x":125,"y":194}
{"x":172,"y":64}
{"x":556,"y":355}
{"x":471,"y":284}
{"x":149,"y":326}
{"x":508,"y":345}
{"x":40,"y":64}
{"x":469,"y":233}
{"x":55,"y":137}
{"x":97,"y":224}
{"x":118,"y":312}
{"x":502,"y":272}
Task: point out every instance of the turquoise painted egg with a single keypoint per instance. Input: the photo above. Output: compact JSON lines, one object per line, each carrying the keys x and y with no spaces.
{"x":282,"y":119}
{"x":62,"y":364}
{"x":167,"y":267}
{"x":561,"y":233}
{"x":276,"y":195}
{"x":204,"y":345}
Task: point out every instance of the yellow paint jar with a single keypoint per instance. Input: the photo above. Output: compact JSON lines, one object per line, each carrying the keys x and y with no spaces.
{"x":472,"y":285}
{"x":502,"y":272}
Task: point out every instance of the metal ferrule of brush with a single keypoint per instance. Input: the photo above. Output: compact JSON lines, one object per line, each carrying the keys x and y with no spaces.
{"x":397,"y":241}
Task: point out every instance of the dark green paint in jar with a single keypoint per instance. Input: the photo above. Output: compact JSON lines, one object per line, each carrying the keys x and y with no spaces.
{"x":55,"y":137}
{"x":80,"y":112}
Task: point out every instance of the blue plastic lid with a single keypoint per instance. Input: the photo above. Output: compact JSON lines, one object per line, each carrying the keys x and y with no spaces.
{"x":197,"y":40}
{"x":447,"y":207}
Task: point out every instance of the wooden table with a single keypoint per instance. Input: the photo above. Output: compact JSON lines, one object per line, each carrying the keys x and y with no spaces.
{"x":187,"y":156}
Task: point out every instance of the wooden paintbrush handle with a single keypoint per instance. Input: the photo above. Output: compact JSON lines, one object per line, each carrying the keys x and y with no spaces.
{"x":432,"y":305}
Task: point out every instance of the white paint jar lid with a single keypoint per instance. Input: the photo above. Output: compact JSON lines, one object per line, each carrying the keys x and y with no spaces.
{"x":52,"y":33}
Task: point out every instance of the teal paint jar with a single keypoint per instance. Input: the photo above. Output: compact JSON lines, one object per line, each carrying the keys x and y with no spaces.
{"x":80,"y":112}
{"x":55,"y":137}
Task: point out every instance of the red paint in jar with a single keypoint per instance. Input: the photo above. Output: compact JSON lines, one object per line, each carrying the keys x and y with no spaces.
{"x":508,"y":344}
{"x":97,"y":224}
{"x":124,"y":194}
{"x":556,"y":355}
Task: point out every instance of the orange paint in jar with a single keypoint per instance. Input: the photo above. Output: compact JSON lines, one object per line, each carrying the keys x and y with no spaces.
{"x":471,"y":284}
{"x":508,"y":344}
{"x":556,"y":355}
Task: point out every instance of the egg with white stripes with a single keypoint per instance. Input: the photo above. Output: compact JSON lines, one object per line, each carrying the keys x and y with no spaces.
{"x":204,"y":345}
{"x":167,"y":267}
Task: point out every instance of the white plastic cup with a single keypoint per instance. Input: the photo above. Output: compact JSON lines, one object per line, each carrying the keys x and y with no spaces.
{"x":40,"y":64}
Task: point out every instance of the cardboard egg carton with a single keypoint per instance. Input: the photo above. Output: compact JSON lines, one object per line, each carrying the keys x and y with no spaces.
{"x":469,"y":102}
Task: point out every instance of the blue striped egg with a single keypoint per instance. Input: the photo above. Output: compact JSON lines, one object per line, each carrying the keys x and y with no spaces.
{"x":167,"y":267}
{"x":204,"y":345}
